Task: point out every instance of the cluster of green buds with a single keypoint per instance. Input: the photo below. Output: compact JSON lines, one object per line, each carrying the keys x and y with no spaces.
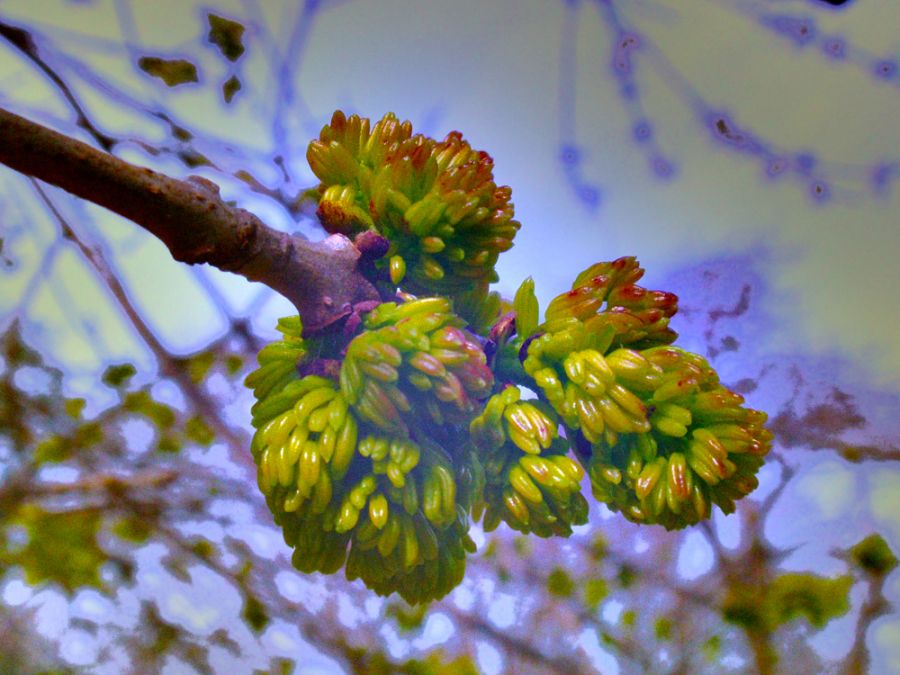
{"x":609,"y":304}
{"x":662,"y":438}
{"x":702,"y":446}
{"x":343,"y":490}
{"x":531,"y":483}
{"x":378,"y":440}
{"x":414,"y":366}
{"x":435,"y":202}
{"x":409,"y":534}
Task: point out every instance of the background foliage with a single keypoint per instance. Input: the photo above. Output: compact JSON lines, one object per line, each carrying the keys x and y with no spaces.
{"x":728,"y":147}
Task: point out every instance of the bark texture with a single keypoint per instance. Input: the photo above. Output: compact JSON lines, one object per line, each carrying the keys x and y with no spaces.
{"x":322,"y":279}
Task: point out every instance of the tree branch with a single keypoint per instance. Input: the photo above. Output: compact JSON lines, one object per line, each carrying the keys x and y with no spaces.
{"x":322,"y":279}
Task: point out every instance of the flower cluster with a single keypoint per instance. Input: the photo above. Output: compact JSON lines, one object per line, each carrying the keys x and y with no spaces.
{"x":701,"y":447}
{"x":436,"y":203}
{"x":346,"y":492}
{"x":610,"y":305}
{"x":664,"y":439}
{"x":531,"y":484}
{"x":413,"y":366}
{"x":376,"y":462}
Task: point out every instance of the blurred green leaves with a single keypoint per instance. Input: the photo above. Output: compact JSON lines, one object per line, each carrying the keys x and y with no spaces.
{"x":788,"y":597}
{"x":172,"y":72}
{"x":874,"y":556}
{"x":61,"y":547}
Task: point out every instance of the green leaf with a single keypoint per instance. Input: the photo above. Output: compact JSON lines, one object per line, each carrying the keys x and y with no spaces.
{"x":198,"y":365}
{"x":53,"y":449}
{"x":74,"y":407}
{"x":118,"y":375}
{"x":169,"y":444}
{"x":526,"y":308}
{"x":171,"y":71}
{"x":62,"y":548}
{"x":712,"y":648}
{"x":595,"y":591}
{"x":142,"y":403}
{"x":874,"y":555}
{"x":198,"y":431}
{"x":662,"y":627}
{"x":132,"y":529}
{"x":559,"y":583}
{"x":627,"y":575}
{"x":816,"y":598}
{"x":227,"y":35}
{"x":255,"y":614}
{"x":234,"y":364}
{"x":408,"y":617}
{"x":203,"y":548}
{"x":231,"y":87}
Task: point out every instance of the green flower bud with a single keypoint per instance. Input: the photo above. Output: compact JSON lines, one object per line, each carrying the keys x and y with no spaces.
{"x":383,"y":505}
{"x":702,"y":446}
{"x":605,"y":298}
{"x":413,"y":363}
{"x":530,"y":483}
{"x":436,"y":202}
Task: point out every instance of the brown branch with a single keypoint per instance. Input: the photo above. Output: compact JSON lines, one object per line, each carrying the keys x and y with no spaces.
{"x":321,"y":279}
{"x":109,"y":482}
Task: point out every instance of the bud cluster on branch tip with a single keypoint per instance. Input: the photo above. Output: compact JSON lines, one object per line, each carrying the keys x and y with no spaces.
{"x":414,"y":367}
{"x":345,"y":491}
{"x":530,"y":482}
{"x":702,"y":446}
{"x":666,"y":440}
{"x":610,"y":305}
{"x":377,"y":468}
{"x":435,"y":202}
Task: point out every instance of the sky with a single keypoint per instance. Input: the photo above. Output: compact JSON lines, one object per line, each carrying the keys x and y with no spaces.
{"x":758,"y":139}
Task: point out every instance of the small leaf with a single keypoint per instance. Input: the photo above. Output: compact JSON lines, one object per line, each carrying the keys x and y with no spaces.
{"x":663,"y":628}
{"x":408,"y":617}
{"x":712,"y":648}
{"x":62,"y":547}
{"x":874,"y":556}
{"x":53,"y":449}
{"x":132,"y":529}
{"x":118,"y":375}
{"x":193,"y":159}
{"x":203,"y":548}
{"x":227,"y":35}
{"x":255,"y":614}
{"x":199,"y":364}
{"x":233,"y":364}
{"x":142,"y":403}
{"x":559,"y":583}
{"x":595,"y":591}
{"x":169,"y":444}
{"x":627,"y":575}
{"x":171,"y":71}
{"x":818,"y":599}
{"x":74,"y":407}
{"x":231,"y":87}
{"x":198,"y":431}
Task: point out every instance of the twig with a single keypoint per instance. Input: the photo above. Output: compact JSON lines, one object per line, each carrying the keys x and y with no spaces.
{"x":22,"y":40}
{"x":321,"y":279}
{"x":111,"y":482}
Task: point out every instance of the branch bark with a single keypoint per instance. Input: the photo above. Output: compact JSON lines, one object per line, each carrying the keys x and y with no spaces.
{"x":322,"y":279}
